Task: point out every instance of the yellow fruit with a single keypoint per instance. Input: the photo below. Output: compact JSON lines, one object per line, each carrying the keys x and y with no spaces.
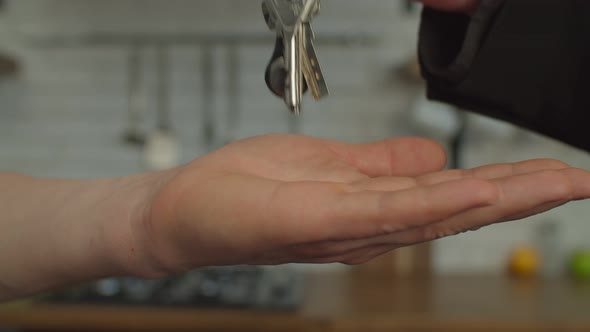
{"x":525,"y":262}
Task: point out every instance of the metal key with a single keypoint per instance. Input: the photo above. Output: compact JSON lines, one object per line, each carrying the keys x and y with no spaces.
{"x":311,"y":67}
{"x":291,"y":19}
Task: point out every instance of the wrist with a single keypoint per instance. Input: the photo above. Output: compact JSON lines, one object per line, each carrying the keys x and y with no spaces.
{"x":69,"y":231}
{"x":132,"y":243}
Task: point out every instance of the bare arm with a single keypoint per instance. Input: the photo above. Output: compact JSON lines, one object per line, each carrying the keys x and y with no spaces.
{"x":56,"y":232}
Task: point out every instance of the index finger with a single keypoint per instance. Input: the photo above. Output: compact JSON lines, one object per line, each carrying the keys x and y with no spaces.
{"x":314,"y":212}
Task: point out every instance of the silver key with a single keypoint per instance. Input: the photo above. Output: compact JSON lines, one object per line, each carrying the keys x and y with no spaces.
{"x":291,"y":19}
{"x":311,"y":67}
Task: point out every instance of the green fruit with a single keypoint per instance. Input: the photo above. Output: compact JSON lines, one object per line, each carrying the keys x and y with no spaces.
{"x":580,"y":265}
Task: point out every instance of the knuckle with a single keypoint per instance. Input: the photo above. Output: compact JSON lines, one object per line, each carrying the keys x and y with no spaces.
{"x":426,"y":209}
{"x":487,"y":192}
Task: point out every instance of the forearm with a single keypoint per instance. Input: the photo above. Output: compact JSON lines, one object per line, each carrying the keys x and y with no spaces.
{"x":58,"y":232}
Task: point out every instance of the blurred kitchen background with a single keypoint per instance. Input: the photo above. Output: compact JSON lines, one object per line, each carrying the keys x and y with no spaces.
{"x":114,"y":87}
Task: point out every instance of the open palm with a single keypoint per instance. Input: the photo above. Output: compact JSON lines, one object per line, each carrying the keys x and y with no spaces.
{"x":281,"y":198}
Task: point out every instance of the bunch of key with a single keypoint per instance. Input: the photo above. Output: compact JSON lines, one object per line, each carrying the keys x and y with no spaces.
{"x":294,"y":67}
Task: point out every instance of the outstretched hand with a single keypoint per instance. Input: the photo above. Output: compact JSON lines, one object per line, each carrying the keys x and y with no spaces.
{"x":280,"y":199}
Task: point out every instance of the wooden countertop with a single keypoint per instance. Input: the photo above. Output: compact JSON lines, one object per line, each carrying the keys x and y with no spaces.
{"x":350,"y":302}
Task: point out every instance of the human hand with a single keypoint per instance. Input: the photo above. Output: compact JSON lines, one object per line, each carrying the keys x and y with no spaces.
{"x":281,"y":199}
{"x":459,"y":6}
